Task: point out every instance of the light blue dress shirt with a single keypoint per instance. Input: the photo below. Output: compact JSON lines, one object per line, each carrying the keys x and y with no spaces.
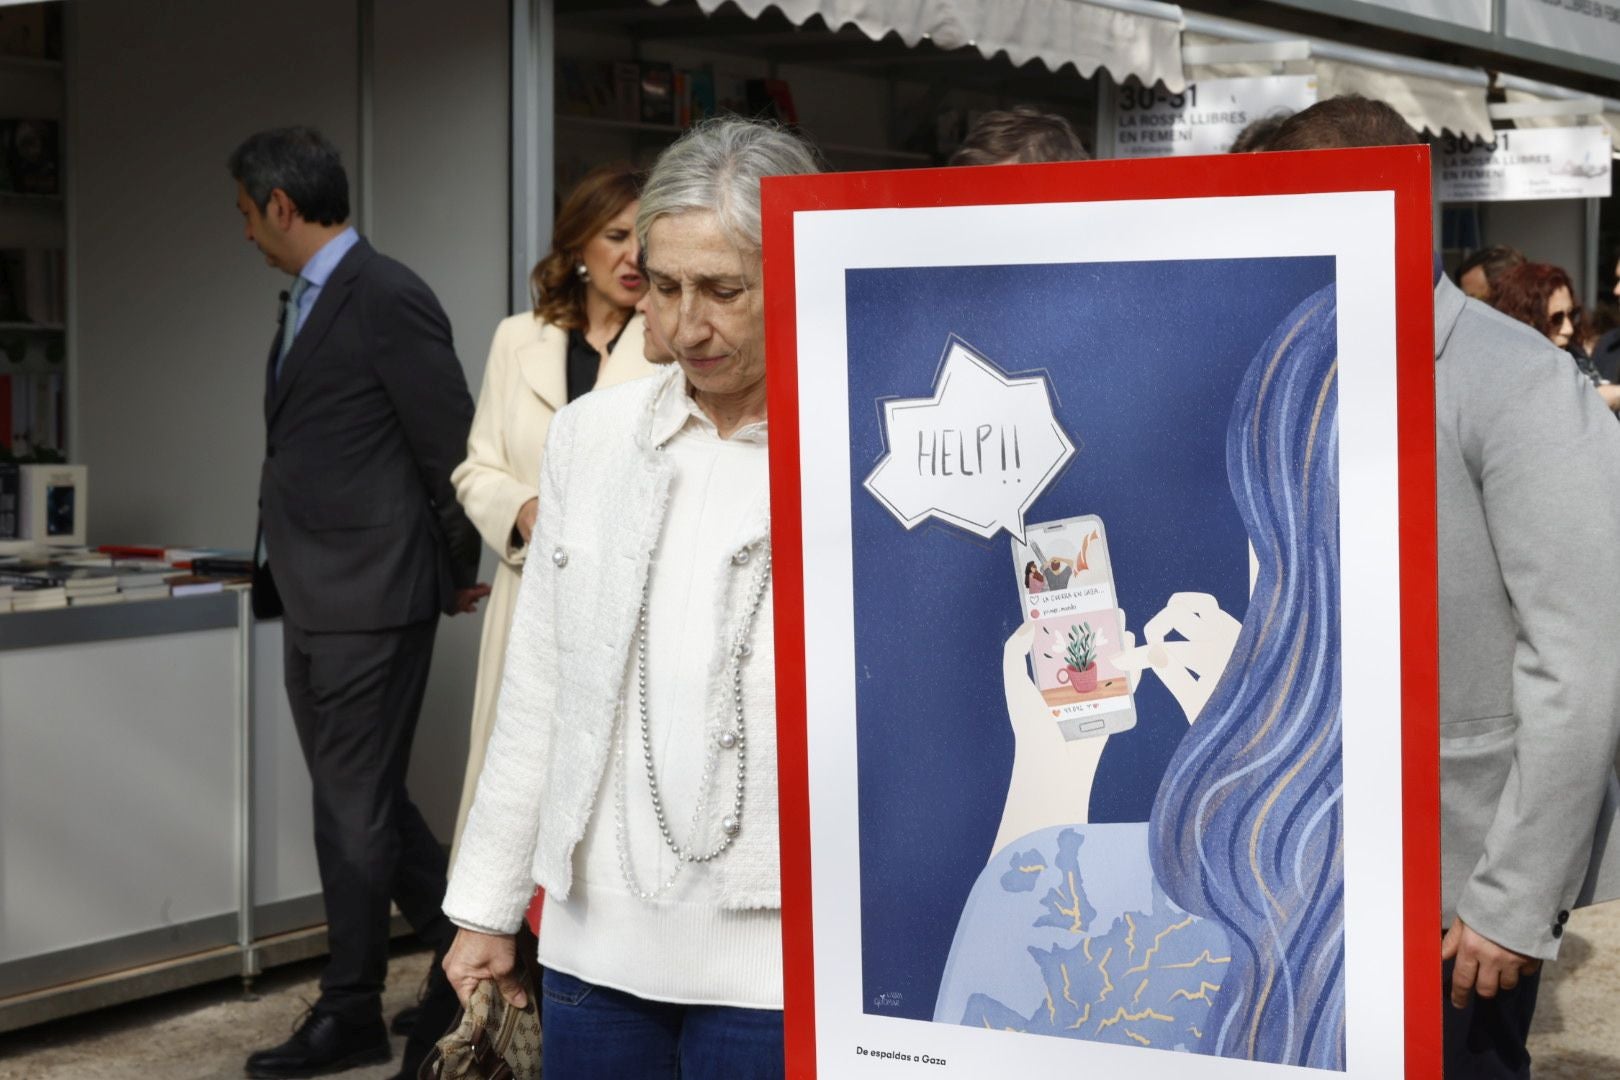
{"x":320,"y":267}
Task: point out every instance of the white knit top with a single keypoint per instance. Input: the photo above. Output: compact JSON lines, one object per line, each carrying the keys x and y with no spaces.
{"x":683,"y":946}
{"x":637,"y":488}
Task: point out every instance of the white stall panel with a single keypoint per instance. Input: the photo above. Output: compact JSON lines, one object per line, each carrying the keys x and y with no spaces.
{"x":118,"y":790}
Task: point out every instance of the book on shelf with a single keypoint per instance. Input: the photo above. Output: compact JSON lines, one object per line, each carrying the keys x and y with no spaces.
{"x":32,"y":286}
{"x":35,"y":419}
{"x":182,"y":558}
{"x":657,"y":93}
{"x":38,"y":598}
{"x":192,"y":585}
{"x":33,"y":31}
{"x":586,"y":88}
{"x":627,"y":91}
{"x":94,"y":599}
{"x":10,"y":479}
{"x":29,"y":156}
{"x":142,"y":577}
{"x":772,"y":99}
{"x":223,"y":567}
{"x":730,"y":92}
{"x":700,"y":102}
{"x":75,"y":579}
{"x":132,"y":551}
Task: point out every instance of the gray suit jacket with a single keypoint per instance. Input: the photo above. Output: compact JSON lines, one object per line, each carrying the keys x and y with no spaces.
{"x":1528,"y":471}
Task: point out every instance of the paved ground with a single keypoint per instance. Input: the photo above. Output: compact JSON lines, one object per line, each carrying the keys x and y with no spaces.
{"x":1577,"y":1031}
{"x":206,"y":1033}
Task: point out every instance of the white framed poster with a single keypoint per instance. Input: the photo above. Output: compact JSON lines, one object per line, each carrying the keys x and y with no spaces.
{"x":1103,"y":533}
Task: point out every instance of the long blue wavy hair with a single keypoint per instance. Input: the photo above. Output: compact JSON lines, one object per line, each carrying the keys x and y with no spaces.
{"x":1247,"y":828}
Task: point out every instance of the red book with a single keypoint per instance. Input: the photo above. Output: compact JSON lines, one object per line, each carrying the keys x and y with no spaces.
{"x":131,"y":551}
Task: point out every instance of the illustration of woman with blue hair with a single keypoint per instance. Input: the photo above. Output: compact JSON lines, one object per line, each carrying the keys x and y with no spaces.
{"x":1218,"y":925}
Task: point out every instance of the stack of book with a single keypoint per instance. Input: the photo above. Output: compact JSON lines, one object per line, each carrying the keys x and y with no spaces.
{"x":32,"y":578}
{"x":25,"y":592}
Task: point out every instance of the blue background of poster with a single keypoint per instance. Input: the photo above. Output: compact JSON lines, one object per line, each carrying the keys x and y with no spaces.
{"x":1144,"y":360}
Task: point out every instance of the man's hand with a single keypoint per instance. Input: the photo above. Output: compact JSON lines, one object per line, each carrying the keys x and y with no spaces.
{"x":525,"y":519}
{"x":467,"y":599}
{"x":1482,"y":966}
{"x":474,"y":957}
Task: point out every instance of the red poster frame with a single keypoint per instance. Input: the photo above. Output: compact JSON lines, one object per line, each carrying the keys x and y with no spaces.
{"x":1403,"y":171}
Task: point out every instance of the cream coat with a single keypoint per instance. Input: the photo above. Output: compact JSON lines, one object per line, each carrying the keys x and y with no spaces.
{"x":603,"y":497}
{"x":525,"y":383}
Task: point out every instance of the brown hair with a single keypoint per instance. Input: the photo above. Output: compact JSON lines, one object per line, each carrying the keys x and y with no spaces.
{"x":1023,"y":134}
{"x":1257,"y":135}
{"x":1492,"y":261}
{"x":1342,"y":122}
{"x":1525,"y":290}
{"x":555,"y":284}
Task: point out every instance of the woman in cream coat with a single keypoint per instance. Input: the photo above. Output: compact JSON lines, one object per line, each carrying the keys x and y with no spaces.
{"x":582,"y":326}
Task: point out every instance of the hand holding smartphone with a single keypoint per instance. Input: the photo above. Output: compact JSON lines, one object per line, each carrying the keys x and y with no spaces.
{"x":1066,"y":583}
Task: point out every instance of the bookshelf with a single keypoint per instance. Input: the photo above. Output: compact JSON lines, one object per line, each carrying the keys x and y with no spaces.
{"x":865,"y":104}
{"x":33,"y":235}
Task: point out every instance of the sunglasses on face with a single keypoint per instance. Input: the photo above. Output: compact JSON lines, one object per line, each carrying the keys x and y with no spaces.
{"x":1555,"y":321}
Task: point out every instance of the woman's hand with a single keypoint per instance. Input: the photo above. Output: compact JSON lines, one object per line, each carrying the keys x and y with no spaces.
{"x":1189,"y":668}
{"x":1026,"y":710}
{"x":1051,"y":776}
{"x":474,"y":957}
{"x":525,"y":518}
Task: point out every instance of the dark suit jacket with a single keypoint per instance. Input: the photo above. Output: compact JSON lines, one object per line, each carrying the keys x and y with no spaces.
{"x":362,"y":429}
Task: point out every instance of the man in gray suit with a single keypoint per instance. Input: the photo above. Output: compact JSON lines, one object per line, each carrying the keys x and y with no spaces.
{"x":1528,"y":474}
{"x":362,"y":545}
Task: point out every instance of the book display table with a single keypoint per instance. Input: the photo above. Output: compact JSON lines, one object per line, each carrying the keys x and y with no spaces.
{"x":155,"y":825}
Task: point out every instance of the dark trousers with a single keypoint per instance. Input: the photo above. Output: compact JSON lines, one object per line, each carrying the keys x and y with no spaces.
{"x":355,"y":699}
{"x":1486,"y":1040}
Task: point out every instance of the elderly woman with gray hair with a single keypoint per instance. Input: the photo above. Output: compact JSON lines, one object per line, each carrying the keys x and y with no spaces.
{"x":632,"y":770}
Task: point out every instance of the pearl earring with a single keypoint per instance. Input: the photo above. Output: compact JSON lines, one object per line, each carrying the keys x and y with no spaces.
{"x":582,"y":272}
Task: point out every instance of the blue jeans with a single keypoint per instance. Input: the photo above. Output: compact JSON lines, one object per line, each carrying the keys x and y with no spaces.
{"x":596,"y":1033}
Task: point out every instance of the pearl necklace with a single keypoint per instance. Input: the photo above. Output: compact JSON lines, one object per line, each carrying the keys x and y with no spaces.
{"x":730,"y":739}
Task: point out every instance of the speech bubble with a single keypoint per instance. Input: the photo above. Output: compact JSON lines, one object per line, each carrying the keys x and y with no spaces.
{"x":977,"y":454}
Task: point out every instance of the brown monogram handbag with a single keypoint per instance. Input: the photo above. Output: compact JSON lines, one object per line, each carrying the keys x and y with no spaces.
{"x":492,"y":1040}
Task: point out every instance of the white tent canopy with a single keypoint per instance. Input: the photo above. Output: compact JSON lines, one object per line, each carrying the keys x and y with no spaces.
{"x":1433,"y":97}
{"x":1127,"y":38}
{"x":1521,"y":92}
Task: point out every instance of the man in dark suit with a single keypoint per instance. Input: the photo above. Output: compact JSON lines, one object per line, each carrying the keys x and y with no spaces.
{"x":362,"y":545}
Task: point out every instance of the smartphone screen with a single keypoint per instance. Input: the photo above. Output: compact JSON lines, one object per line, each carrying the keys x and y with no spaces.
{"x":1066,"y":582}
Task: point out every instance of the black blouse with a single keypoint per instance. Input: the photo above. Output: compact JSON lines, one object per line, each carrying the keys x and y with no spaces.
{"x":584,"y":362}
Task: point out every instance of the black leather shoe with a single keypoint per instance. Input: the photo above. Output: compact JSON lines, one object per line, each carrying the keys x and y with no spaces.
{"x":323,"y":1043}
{"x":405,"y":1020}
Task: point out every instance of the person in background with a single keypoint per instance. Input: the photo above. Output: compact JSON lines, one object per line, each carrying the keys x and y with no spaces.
{"x":632,"y":770}
{"x":1606,"y":352}
{"x":1478,"y":273}
{"x":1019,"y":135}
{"x":1542,"y":296}
{"x":1529,"y":518}
{"x":1601,"y":322}
{"x":581,"y":335}
{"x":361,"y":547}
{"x":1258,"y":133}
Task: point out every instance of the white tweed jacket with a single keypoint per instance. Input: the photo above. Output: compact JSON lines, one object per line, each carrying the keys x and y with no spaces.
{"x":604,"y":489}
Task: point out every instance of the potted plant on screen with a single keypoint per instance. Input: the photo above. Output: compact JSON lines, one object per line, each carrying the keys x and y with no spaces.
{"x":1080,"y":654}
